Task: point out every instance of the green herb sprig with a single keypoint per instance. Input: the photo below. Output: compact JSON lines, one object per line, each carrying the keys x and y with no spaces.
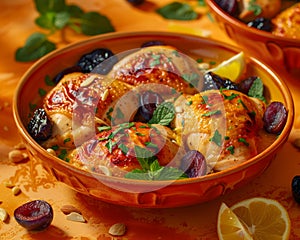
{"x":151,"y":169}
{"x":56,"y":15}
{"x":178,"y":11}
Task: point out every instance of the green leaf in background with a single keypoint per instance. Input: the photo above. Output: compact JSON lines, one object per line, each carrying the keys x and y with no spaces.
{"x":94,"y":23}
{"x":35,"y":47}
{"x":61,"y":20}
{"x":46,"y":20}
{"x":44,"y":6}
{"x":178,"y":11}
{"x":75,"y":11}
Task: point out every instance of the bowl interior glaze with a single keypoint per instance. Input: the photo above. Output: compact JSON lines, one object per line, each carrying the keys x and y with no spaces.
{"x":158,"y":194}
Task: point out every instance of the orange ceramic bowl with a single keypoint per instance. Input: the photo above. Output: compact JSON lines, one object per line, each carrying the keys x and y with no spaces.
{"x":139,"y":193}
{"x":282,"y":54}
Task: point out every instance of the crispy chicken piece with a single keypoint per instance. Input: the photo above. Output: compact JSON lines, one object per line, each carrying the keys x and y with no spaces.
{"x":112,"y":151}
{"x":160,"y":65}
{"x":81,"y":101}
{"x":222,"y":125}
{"x":287,"y":23}
{"x":269,"y":9}
{"x":78,"y":104}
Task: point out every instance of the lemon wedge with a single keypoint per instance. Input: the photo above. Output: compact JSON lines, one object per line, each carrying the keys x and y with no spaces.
{"x":254,"y":218}
{"x":231,"y":68}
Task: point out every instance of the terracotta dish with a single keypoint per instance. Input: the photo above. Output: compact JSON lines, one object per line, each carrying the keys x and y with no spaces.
{"x":281,"y":53}
{"x":142,"y":193}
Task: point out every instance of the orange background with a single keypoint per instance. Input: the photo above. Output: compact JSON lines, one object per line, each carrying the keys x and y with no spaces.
{"x":193,"y":222}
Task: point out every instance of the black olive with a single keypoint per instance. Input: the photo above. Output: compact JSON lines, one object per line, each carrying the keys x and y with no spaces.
{"x":100,"y":60}
{"x":214,"y":81}
{"x":40,"y":126}
{"x":296,"y":188}
{"x":261,"y":23}
{"x":149,"y":101}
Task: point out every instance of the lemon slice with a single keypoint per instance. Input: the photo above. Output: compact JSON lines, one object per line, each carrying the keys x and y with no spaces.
{"x":229,"y":225}
{"x":260,"y":218}
{"x":231,"y":68}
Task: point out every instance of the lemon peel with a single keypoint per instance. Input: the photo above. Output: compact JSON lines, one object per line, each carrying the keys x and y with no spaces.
{"x":232,"y":68}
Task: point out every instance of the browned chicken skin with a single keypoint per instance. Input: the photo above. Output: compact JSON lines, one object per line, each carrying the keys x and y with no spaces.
{"x":222,"y":125}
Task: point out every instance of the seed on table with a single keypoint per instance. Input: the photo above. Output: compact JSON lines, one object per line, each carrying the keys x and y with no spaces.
{"x":75,"y":217}
{"x":117,"y":229}
{"x":67,"y":209}
{"x":9,"y":184}
{"x":16,"y":190}
{"x":20,"y":146}
{"x":16,"y":156}
{"x":3,"y":214}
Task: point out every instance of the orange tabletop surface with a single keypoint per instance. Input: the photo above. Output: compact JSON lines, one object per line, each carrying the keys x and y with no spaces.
{"x":192,"y":222}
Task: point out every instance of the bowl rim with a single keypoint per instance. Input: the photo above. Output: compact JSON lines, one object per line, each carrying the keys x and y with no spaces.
{"x":271,"y":149}
{"x":243,"y":26}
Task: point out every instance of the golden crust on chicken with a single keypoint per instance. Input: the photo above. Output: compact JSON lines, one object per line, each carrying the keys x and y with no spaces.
{"x":222,"y":125}
{"x":112,"y":151}
{"x":286,"y":24}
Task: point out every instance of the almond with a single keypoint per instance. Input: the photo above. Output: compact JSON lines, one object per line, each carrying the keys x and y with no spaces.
{"x":118,"y":229}
{"x":3,"y":214}
{"x":75,"y":217}
{"x":67,"y":209}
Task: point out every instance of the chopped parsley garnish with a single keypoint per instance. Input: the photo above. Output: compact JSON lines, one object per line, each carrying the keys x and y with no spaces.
{"x":254,"y":7}
{"x":192,"y":78}
{"x":120,"y":114}
{"x":104,"y":128}
{"x":123,"y":148}
{"x":217,"y":138}
{"x":67,"y":140}
{"x":55,"y":147}
{"x":210,"y":113}
{"x":243,"y":140}
{"x":230,"y":149}
{"x":42,"y":92}
{"x":63,"y":154}
{"x":49,"y":81}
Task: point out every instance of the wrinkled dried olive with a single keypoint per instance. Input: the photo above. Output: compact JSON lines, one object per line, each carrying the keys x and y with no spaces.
{"x":148,"y":103}
{"x":34,"y":215}
{"x":275,"y":117}
{"x":194,"y":164}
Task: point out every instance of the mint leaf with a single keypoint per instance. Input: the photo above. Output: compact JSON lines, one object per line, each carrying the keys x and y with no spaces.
{"x":144,"y":156}
{"x":156,"y":173}
{"x":93,"y":23}
{"x":46,"y":20}
{"x":44,"y":6}
{"x":177,"y":11}
{"x":137,"y":174}
{"x":75,"y":11}
{"x":163,"y":114}
{"x":257,"y":89}
{"x":35,"y":47}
